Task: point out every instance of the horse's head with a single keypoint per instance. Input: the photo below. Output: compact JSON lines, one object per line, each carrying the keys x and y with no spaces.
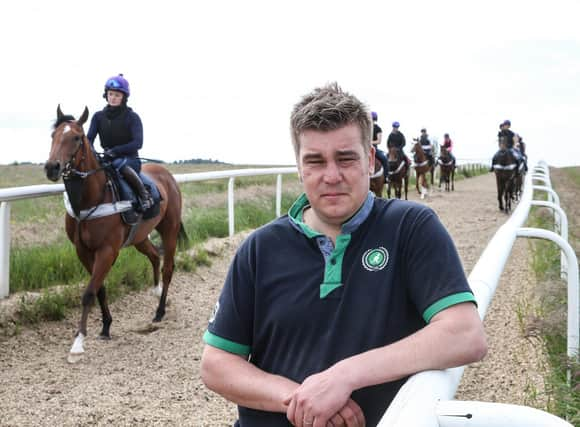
{"x":67,"y":139}
{"x":393,"y":154}
{"x":444,"y":153}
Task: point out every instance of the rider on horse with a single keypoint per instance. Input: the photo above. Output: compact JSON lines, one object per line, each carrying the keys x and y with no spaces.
{"x":448,"y":144}
{"x":521,"y":147}
{"x":505,"y":134}
{"x":397,"y":139}
{"x":427,"y":146}
{"x":377,"y":137}
{"x":121,"y":135}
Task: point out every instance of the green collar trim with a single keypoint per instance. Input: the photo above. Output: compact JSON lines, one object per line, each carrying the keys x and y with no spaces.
{"x":295,"y":214}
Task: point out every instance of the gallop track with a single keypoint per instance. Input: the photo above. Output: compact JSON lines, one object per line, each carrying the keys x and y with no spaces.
{"x":150,"y":375}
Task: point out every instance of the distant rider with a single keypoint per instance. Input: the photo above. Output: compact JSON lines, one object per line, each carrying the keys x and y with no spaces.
{"x":377,"y":137}
{"x":448,"y":144}
{"x":397,"y":139}
{"x":427,"y":146}
{"x":506,"y":135}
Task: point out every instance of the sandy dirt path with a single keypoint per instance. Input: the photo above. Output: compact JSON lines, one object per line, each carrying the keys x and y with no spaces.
{"x":150,"y":376}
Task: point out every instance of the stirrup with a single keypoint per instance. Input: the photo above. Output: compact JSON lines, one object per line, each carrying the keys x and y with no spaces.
{"x":144,"y":204}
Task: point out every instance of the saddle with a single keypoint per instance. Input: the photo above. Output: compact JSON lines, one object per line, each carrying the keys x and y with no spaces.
{"x":122,"y":191}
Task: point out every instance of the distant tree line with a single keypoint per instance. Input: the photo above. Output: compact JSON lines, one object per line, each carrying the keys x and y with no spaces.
{"x":197,"y":161}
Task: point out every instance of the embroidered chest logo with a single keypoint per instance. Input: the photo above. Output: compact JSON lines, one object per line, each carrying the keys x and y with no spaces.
{"x":375,"y":259}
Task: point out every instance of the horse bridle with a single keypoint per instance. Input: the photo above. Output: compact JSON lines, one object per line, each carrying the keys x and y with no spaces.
{"x":69,"y":171}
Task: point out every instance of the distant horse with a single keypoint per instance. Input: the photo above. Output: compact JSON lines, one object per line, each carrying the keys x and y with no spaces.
{"x":377,"y":179}
{"x":505,"y":172}
{"x":447,"y":169}
{"x":398,"y":173}
{"x":96,"y":228}
{"x":422,"y":167}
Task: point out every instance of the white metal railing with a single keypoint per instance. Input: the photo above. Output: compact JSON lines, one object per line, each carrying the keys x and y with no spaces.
{"x":425,"y":400}
{"x":32,"y":191}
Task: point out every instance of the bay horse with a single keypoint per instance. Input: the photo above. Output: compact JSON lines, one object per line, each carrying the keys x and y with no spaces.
{"x":447,"y":169}
{"x":377,"y":179}
{"x":505,"y":172}
{"x":422,"y":167}
{"x":398,"y":173}
{"x":99,"y":232}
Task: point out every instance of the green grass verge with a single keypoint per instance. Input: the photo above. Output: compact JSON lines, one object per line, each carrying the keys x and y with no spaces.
{"x":564,"y":398}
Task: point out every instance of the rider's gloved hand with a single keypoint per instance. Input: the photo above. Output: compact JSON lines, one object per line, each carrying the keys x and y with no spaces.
{"x":109,"y":154}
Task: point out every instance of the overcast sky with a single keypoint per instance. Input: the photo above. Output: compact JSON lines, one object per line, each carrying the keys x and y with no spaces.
{"x":217,"y":79}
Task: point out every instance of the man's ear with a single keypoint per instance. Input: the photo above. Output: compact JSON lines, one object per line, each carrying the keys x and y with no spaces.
{"x":372,"y":154}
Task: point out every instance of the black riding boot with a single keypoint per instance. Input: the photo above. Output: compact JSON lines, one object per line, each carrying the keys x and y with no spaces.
{"x":145,"y":199}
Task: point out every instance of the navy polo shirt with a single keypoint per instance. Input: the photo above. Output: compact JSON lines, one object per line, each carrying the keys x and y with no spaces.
{"x":295,"y":304}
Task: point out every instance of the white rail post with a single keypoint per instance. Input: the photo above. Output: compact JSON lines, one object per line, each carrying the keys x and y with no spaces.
{"x":550,"y":191}
{"x":456,"y":413}
{"x":4,"y":249}
{"x":563,"y":220}
{"x":231,"y":215}
{"x":278,"y":194}
{"x":573,"y":287}
{"x":546,"y":179}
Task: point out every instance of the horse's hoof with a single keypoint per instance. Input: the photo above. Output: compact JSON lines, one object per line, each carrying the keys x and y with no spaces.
{"x":104,"y":337}
{"x":75,"y":357}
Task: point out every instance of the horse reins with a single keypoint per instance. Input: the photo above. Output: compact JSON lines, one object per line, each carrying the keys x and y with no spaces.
{"x":70,"y":172}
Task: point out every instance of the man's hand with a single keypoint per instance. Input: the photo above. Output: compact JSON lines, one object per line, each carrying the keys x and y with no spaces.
{"x":322,"y":399}
{"x":350,"y":415}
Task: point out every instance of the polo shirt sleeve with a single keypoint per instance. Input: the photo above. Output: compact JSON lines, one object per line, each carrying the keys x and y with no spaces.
{"x":231,"y":325}
{"x":435,"y":276}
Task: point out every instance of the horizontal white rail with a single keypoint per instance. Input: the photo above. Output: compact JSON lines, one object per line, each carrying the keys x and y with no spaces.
{"x":421,"y":400}
{"x":8,"y":195}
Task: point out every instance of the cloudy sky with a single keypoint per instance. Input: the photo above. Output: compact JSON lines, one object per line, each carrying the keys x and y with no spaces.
{"x":218,"y":79}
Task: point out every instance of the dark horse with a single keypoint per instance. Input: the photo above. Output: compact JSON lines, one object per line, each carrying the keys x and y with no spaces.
{"x":422,"y":167}
{"x":97,"y":237}
{"x":377,"y":179}
{"x":505,"y":171}
{"x":398,"y":173}
{"x":447,"y":170}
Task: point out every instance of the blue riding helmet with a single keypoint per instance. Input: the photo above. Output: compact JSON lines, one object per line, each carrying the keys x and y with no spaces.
{"x":374,"y":115}
{"x":507,"y":122}
{"x":118,"y":83}
{"x":396,"y":124}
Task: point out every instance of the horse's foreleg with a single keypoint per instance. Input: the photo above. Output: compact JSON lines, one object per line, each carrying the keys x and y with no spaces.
{"x":103,"y":260}
{"x":418,"y":182}
{"x":453,"y":179}
{"x":499,"y":192}
{"x":105,"y":313}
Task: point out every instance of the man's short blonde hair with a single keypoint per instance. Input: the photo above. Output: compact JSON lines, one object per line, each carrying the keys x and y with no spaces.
{"x":329,"y":108}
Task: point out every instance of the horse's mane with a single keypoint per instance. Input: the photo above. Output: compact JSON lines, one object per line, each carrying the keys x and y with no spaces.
{"x":62,"y":119}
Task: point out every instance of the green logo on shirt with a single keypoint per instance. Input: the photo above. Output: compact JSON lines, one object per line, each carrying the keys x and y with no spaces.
{"x":375,"y":259}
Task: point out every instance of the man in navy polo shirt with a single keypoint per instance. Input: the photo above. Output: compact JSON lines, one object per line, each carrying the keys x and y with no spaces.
{"x":327,"y":311}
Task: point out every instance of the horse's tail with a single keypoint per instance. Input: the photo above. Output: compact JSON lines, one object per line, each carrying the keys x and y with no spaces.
{"x":182,"y":239}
